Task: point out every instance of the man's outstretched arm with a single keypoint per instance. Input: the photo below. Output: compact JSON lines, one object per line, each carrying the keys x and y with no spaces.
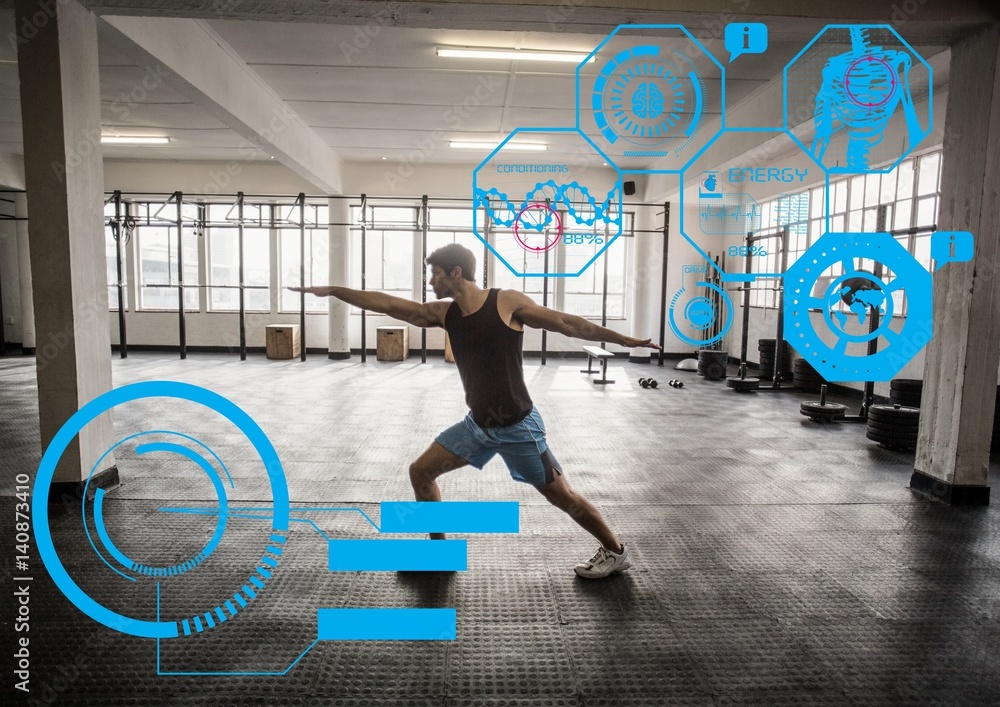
{"x":534,"y":315}
{"x":422,"y":315}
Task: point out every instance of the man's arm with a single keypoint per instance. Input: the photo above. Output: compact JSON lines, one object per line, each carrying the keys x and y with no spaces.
{"x":415,"y":313}
{"x":530,"y":314}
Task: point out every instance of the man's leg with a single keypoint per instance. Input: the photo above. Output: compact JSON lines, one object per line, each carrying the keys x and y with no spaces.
{"x":560,"y":495}
{"x":424,"y":471}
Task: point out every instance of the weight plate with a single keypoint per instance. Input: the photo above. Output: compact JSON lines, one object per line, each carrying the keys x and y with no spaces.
{"x":743,"y":385}
{"x":907,"y":384}
{"x":715,"y":371}
{"x":890,"y":442}
{"x":891,"y":412}
{"x":900,"y":431}
{"x":810,"y":406}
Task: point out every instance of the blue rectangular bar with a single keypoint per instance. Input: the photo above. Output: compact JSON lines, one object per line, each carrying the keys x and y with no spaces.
{"x":386,"y":624}
{"x":398,"y":555}
{"x":450,"y":517}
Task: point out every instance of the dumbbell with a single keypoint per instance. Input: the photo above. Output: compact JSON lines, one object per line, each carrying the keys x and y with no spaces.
{"x":648,"y":382}
{"x":675,"y":383}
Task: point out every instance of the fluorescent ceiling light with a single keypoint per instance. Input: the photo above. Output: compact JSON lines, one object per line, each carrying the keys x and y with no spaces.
{"x":525,"y":146}
{"x":512,"y":54}
{"x":133,"y":140}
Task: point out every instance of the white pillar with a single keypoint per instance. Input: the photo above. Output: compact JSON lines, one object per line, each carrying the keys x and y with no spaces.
{"x":24,"y":273}
{"x":64,"y":174}
{"x":960,"y":369}
{"x":340,"y":274}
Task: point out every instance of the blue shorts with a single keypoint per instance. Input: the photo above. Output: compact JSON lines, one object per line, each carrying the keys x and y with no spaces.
{"x":521,"y":445}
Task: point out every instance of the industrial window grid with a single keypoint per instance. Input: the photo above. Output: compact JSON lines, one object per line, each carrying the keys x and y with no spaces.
{"x":911,"y":193}
{"x":392,"y":257}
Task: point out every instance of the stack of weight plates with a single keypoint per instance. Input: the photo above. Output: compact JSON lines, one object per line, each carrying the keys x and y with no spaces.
{"x":713,"y":364}
{"x":766,"y":349}
{"x":805,"y":377}
{"x":893,"y":426}
{"x":906,"y":392}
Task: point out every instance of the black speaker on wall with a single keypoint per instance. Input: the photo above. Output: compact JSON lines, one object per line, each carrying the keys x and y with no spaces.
{"x":628,"y":188}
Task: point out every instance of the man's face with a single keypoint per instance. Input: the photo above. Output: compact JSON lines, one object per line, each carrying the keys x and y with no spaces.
{"x":441,"y":283}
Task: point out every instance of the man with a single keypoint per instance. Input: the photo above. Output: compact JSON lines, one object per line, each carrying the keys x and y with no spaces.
{"x":486,"y":329}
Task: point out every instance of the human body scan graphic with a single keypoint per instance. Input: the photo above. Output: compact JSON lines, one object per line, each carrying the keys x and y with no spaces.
{"x":863,"y":89}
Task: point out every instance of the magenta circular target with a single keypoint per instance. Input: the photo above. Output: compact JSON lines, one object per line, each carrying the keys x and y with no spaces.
{"x":538,"y":227}
{"x":870,"y":89}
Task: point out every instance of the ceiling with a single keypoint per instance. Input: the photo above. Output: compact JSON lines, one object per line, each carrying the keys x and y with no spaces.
{"x":373,"y":92}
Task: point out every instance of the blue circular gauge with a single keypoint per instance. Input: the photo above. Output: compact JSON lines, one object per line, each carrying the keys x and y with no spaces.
{"x":646,"y":99}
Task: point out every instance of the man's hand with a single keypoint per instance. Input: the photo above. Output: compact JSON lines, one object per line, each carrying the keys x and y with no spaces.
{"x":318,"y":291}
{"x":631,"y":343}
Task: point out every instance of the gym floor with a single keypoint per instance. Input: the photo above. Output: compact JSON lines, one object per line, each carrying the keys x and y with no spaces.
{"x":778,"y":561}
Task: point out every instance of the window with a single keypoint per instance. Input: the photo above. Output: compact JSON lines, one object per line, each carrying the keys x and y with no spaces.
{"x":911,"y":194}
{"x":158,"y":267}
{"x":224,"y":269}
{"x":389,"y":250}
{"x":585,"y":293}
{"x":317,"y":270}
{"x":224,"y":260}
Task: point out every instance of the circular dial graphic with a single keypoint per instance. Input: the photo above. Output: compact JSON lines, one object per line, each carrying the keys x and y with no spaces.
{"x":646,"y":99}
{"x":538,"y":227}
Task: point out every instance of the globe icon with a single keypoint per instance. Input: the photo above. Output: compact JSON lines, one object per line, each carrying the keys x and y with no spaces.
{"x":861,"y":295}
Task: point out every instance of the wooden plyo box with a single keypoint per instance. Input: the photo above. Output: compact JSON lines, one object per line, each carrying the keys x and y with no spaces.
{"x":283,"y":341}
{"x":393,"y":343}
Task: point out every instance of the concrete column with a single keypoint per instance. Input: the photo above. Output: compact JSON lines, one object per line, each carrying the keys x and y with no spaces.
{"x":60,"y":109}
{"x":24,"y":272}
{"x":961,"y":365}
{"x":340,"y":274}
{"x":647,"y":257}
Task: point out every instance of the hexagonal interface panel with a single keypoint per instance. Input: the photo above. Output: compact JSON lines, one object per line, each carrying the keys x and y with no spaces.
{"x":551,"y":212}
{"x":858,"y":89}
{"x":721,"y":198}
{"x":648,"y":97}
{"x":832,"y":293}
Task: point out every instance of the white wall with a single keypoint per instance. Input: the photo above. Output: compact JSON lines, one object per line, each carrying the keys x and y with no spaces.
{"x":204,"y":177}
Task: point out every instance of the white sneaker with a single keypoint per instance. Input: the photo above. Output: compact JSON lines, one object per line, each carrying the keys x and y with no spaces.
{"x":604,"y":562}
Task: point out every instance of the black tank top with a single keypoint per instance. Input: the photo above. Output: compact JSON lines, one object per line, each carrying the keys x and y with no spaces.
{"x":488,"y":355}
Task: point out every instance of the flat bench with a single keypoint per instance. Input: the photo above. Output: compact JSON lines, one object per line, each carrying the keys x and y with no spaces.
{"x":602,"y":355}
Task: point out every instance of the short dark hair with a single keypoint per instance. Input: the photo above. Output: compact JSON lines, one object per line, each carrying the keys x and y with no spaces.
{"x":451,"y":255}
